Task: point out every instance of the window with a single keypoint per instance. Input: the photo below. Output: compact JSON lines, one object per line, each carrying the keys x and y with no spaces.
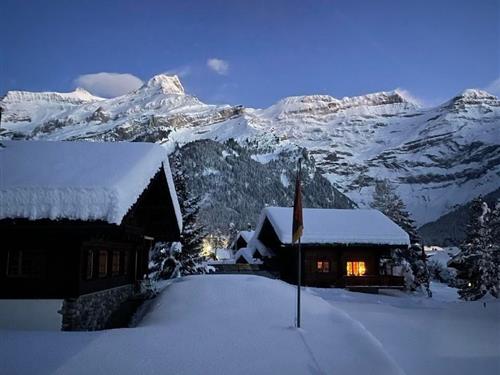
{"x":25,"y":263}
{"x":323,"y":266}
{"x":103,"y":263}
{"x":356,"y":268}
{"x":90,"y":264}
{"x":126,"y":262}
{"x":115,"y":263}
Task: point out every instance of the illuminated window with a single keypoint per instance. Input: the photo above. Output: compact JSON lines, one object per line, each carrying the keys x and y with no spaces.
{"x":322,"y":266}
{"x":356,"y":268}
{"x":103,"y":263}
{"x":90,"y":264}
{"x":115,"y":263}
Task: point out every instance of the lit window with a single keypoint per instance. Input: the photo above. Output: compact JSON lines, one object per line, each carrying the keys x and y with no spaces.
{"x":323,"y":266}
{"x":115,"y":263}
{"x":103,"y":263}
{"x":356,"y":268}
{"x":90,"y":264}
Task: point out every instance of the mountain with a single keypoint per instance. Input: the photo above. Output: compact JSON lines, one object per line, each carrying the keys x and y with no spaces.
{"x":450,"y":229}
{"x":438,"y":158}
{"x":225,"y":175}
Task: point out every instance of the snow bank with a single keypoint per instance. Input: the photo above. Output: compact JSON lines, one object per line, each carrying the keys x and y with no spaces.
{"x":357,"y":226}
{"x":217,"y":324}
{"x":78,"y":180}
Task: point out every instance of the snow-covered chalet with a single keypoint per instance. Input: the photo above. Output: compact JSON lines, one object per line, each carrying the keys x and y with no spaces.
{"x":340,"y":247}
{"x":77,"y":222}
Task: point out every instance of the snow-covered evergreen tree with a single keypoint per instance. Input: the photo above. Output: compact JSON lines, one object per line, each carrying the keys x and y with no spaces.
{"x":184,"y":258}
{"x":413,"y":259}
{"x":192,"y":232}
{"x":478,"y":262}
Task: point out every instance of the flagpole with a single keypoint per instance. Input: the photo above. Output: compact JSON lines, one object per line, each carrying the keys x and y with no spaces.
{"x":299,"y":282}
{"x":299,"y":258}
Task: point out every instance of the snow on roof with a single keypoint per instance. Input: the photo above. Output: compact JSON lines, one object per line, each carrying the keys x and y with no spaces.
{"x":247,"y":254}
{"x":78,"y":180}
{"x":246,"y":235}
{"x":343,"y":226}
{"x":223,"y":254}
{"x":257,"y":245}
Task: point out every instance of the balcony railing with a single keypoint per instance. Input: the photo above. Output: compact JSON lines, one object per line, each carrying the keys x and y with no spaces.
{"x":374,"y":281}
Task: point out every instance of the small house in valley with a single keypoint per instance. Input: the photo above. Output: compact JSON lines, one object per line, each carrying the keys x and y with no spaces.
{"x":78,"y":220}
{"x":340,"y":247}
{"x":242,"y":239}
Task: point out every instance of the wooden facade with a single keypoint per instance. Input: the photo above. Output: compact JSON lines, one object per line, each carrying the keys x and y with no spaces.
{"x":68,"y":258}
{"x":354,"y":266}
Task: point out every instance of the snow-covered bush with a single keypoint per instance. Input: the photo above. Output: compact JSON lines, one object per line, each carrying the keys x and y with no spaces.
{"x":442,"y":273}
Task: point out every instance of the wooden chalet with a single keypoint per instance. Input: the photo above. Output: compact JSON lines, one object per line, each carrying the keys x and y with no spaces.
{"x":340,"y":247}
{"x":80,"y":217}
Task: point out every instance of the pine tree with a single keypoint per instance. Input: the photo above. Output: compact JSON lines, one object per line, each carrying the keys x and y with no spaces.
{"x":413,"y":259}
{"x":184,"y":258}
{"x":192,"y":232}
{"x":494,"y":232}
{"x":478,"y":261}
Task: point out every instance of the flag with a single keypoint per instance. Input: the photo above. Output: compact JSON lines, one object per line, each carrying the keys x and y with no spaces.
{"x":298,"y":224}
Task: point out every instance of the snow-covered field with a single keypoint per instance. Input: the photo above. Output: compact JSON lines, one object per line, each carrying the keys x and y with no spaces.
{"x":242,"y":324}
{"x":441,"y":335}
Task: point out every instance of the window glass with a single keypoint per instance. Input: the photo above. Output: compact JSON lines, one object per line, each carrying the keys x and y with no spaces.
{"x":126,"y":262}
{"x":90,"y":264}
{"x":25,"y":263}
{"x":356,"y":268}
{"x":323,"y":266}
{"x":115,"y":265}
{"x":103,"y":263}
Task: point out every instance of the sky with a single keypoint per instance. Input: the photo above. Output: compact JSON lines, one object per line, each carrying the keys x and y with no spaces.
{"x":253,"y":52}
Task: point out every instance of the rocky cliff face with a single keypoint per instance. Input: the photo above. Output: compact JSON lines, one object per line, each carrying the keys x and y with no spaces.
{"x":438,"y":158}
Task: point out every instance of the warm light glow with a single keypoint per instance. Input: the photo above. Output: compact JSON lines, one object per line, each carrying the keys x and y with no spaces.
{"x":323,"y":266}
{"x":356,"y":268}
{"x":207,"y":248}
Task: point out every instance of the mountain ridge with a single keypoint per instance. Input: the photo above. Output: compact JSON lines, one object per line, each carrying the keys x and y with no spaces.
{"x":437,"y":157}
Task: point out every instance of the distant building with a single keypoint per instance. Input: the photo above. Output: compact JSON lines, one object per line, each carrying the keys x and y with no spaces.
{"x":242,"y":239}
{"x":78,"y":220}
{"x":340,"y":247}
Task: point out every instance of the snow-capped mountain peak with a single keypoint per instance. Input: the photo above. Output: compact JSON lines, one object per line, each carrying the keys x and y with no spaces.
{"x":438,"y":157}
{"x":477,"y":94}
{"x":472,"y":97}
{"x":169,"y":85}
{"x":79,"y":96}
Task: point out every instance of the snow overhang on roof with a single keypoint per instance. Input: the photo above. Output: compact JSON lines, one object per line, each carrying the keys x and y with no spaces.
{"x":335,"y":226}
{"x":78,"y":180}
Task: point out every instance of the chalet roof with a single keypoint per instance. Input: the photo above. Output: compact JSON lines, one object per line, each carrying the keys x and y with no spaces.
{"x":247,"y":254}
{"x":340,"y":226}
{"x":246,"y":235}
{"x":78,"y":180}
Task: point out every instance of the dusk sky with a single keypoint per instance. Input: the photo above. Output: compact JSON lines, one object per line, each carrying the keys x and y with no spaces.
{"x":253,"y":52}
